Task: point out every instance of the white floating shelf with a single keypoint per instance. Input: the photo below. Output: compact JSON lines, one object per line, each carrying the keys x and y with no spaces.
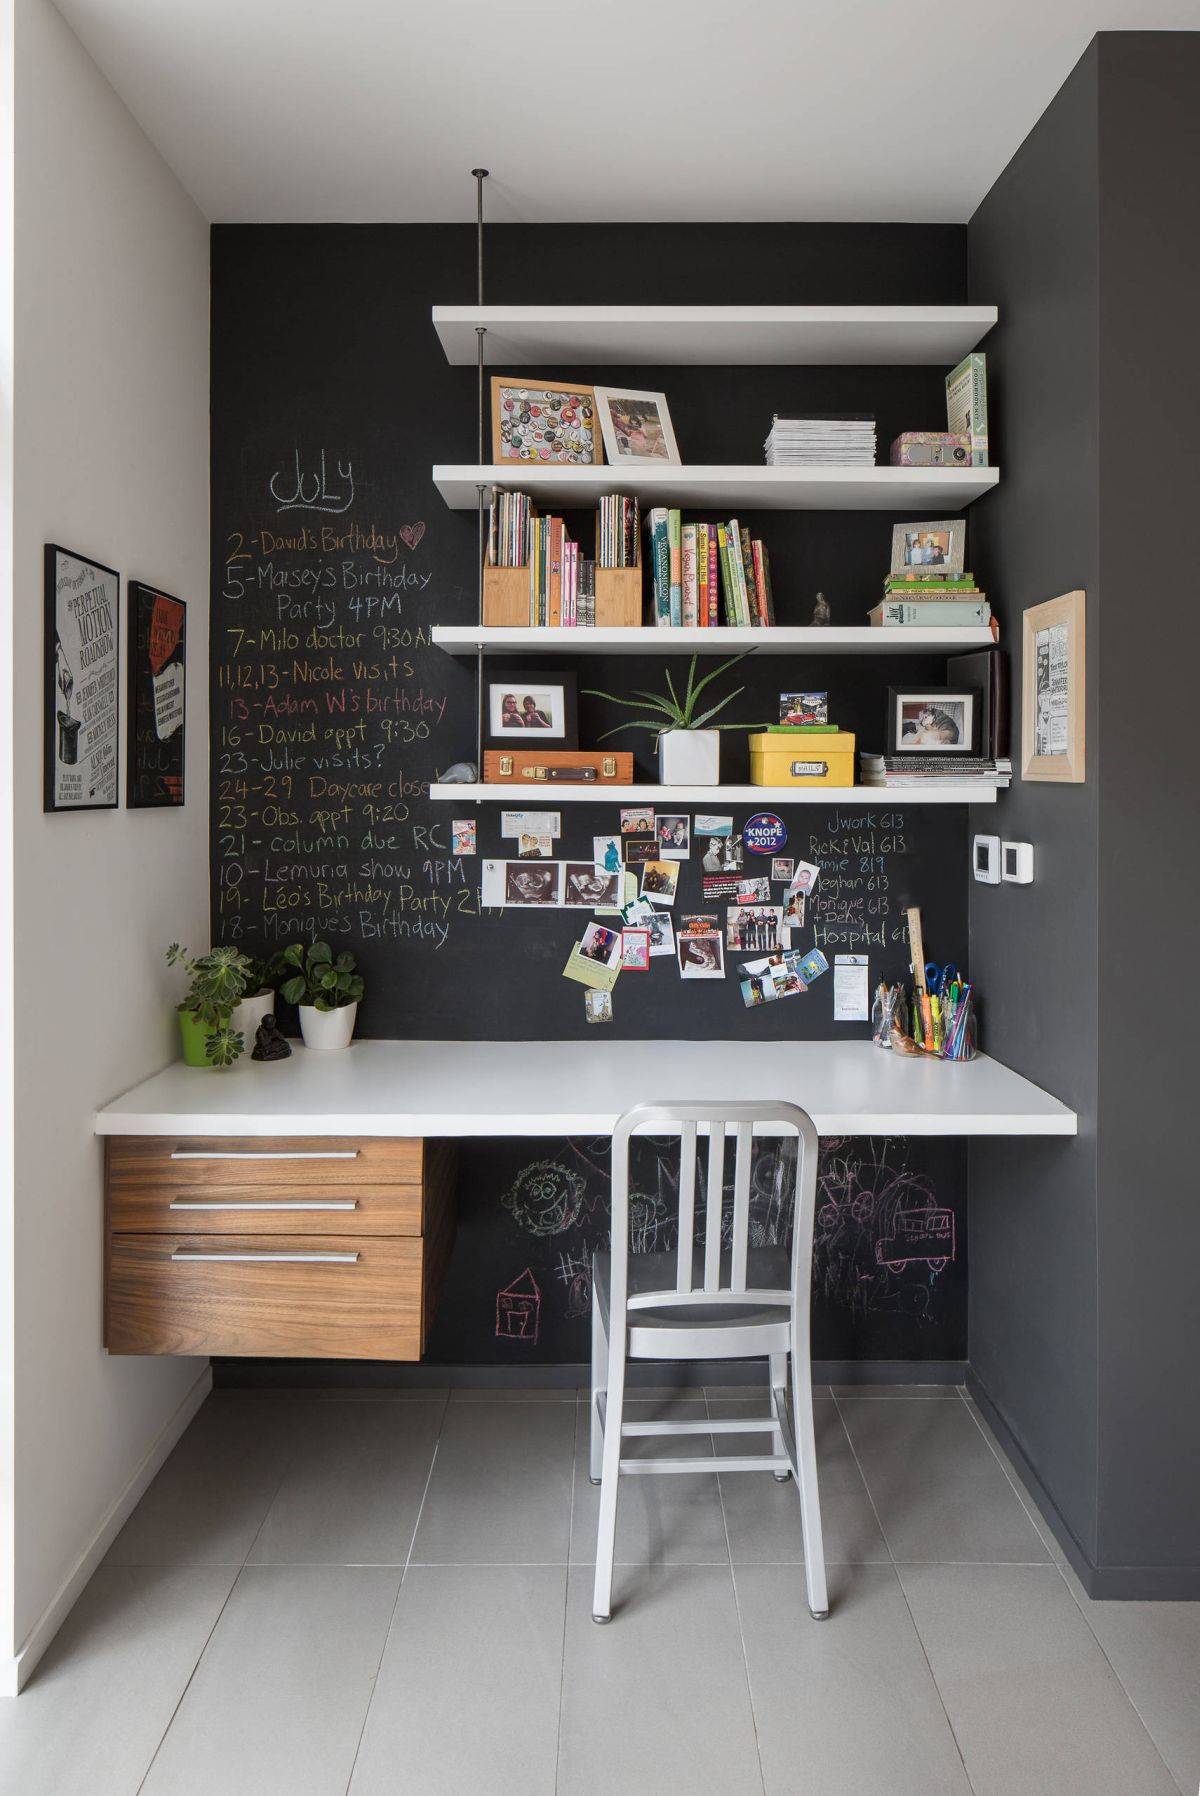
{"x":850,"y":336}
{"x":710,"y":798}
{"x":466,"y":639}
{"x":733,"y":489}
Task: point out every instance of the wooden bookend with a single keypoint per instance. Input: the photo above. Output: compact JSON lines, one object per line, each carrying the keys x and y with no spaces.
{"x":505,"y":596}
{"x":618,"y":597}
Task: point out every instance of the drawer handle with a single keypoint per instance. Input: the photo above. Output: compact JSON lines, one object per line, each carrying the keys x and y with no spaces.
{"x":181,"y":1153}
{"x":302,"y":1259}
{"x":350,"y":1203}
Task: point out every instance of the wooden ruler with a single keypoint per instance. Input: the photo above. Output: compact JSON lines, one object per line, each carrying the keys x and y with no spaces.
{"x":916,"y":945}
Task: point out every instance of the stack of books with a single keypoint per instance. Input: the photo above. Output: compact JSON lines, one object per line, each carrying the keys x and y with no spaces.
{"x":562,"y":582}
{"x":931,"y":601}
{"x":820,"y":440}
{"x":617,"y":530}
{"x":704,"y":574}
{"x":508,"y":529}
{"x":925,"y":770}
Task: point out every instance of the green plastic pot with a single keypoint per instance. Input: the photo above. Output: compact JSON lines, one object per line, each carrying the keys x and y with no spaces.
{"x":195,"y":1036}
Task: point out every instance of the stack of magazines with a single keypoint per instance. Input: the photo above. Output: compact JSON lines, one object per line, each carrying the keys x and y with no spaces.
{"x":821,"y":440}
{"x":925,"y":770}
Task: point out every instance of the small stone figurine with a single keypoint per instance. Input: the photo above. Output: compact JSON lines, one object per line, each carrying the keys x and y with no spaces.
{"x":269,"y":1044}
{"x":821,"y":612}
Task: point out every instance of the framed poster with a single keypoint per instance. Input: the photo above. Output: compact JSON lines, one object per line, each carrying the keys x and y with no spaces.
{"x":81,"y":702}
{"x":157,"y":664}
{"x":1052,"y":690}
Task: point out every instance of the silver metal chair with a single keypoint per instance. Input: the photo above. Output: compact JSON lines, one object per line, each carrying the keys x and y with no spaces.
{"x":703,"y":1302}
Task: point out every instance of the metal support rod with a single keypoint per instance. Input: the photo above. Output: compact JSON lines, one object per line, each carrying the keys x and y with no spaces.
{"x":480,"y":175}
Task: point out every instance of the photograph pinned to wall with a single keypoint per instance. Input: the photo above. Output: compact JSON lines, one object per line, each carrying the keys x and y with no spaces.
{"x":530,"y":883}
{"x":598,"y":1007}
{"x":804,"y":877}
{"x":535,"y":848}
{"x":531,"y":823}
{"x":774,"y":976}
{"x":795,"y":904}
{"x":463,"y":836}
{"x":636,"y":426}
{"x":709,"y":824}
{"x":602,"y":944}
{"x":937,"y":720}
{"x":81,"y":701}
{"x":674,"y":835}
{"x":660,"y":881}
{"x":591,"y":888}
{"x":1052,"y":690}
{"x":638,"y":849}
{"x":919,"y":550}
{"x":753,"y":891}
{"x":635,"y":950}
{"x":637,"y":820}
{"x":662,"y":933}
{"x":533,"y":708}
{"x":543,"y":421}
{"x":723,"y":854}
{"x":606,"y":852}
{"x":810,"y":966}
{"x":701,"y":955}
{"x":755,"y":929}
{"x":783,"y":868}
{"x":594,"y":973}
{"x":804,"y":708}
{"x":156,"y":675}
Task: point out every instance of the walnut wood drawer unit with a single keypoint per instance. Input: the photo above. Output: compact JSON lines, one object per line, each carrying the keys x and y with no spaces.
{"x":297,"y":1248}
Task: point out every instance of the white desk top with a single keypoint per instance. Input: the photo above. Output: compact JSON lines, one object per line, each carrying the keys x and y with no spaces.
{"x":580,"y":1088}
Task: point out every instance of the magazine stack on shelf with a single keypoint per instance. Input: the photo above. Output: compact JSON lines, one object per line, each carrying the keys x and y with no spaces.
{"x":925,"y":770}
{"x":817,"y":439}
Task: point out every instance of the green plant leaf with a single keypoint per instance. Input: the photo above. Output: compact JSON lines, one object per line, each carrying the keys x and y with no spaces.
{"x":635,"y":723}
{"x":293,"y":990}
{"x":672,"y":691}
{"x":319,"y":953}
{"x":719,"y":706}
{"x":724,"y":668}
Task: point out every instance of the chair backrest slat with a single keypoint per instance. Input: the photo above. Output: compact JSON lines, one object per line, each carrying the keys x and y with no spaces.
{"x":712,"y":1214}
{"x":687,"y":1207}
{"x":741,"y":1206}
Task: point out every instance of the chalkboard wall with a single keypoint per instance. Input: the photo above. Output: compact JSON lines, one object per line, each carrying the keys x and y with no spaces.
{"x":333,"y":555}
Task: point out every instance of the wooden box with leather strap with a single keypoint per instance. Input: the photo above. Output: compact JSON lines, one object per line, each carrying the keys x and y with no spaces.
{"x":520,"y":766}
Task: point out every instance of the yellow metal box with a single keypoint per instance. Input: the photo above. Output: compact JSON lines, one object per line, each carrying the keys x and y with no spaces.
{"x":802,"y":760}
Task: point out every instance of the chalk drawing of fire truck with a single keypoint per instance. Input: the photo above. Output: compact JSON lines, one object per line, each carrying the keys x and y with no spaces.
{"x":921,"y":1234}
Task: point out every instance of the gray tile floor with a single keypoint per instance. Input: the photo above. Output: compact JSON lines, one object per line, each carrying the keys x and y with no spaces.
{"x":392,"y":1593}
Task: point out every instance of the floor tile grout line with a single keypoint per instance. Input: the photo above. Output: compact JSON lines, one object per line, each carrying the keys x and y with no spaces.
{"x":903,"y":1594}
{"x":1025,"y":1504}
{"x":737,"y":1604}
{"x":387,"y":1633}
{"x":562,"y":1663}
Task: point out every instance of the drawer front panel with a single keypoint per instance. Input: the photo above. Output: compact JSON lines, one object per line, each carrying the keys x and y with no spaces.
{"x":239,"y":1164}
{"x":144,"y":1207}
{"x":306,"y":1296}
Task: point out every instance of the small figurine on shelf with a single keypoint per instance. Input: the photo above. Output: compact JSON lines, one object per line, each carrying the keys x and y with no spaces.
{"x":821,"y":613}
{"x":269,"y":1044}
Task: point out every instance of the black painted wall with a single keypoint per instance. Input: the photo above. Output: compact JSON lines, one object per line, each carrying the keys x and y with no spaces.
{"x":1084,"y":1329}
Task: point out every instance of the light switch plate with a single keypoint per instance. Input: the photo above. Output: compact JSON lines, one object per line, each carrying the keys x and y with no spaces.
{"x":985,"y":860}
{"x":1016,"y":862}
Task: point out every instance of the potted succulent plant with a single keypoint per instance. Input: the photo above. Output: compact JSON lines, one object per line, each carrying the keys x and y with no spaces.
{"x":325,"y":990}
{"x":689,"y":753}
{"x":218,"y":981}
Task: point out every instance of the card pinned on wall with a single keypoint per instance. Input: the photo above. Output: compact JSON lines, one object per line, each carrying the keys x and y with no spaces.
{"x":851,"y":980}
{"x":709,"y":825}
{"x":597,"y":1006}
{"x":637,"y":821}
{"x":531,"y":823}
{"x":462,"y":836}
{"x":606,"y":852}
{"x":635,"y":950}
{"x":594,"y":973}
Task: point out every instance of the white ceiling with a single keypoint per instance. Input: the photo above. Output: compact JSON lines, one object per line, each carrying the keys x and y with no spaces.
{"x":587,"y":110}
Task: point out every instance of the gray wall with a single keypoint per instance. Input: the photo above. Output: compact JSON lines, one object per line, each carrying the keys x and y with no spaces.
{"x":1084,"y":1332}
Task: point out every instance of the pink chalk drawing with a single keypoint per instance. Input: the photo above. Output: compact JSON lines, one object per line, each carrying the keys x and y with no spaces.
{"x":923,"y":1234}
{"x":518,"y":1308}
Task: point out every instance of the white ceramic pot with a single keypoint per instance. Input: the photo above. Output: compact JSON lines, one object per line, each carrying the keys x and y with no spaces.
{"x":249,"y":1014}
{"x":326,"y":1029}
{"x":689,"y":757}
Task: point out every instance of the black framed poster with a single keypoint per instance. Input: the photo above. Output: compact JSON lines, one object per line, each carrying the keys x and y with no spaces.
{"x":81,"y":702}
{"x":157,"y":665}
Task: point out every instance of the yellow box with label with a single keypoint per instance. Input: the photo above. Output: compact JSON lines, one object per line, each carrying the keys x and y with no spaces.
{"x":802,"y":759}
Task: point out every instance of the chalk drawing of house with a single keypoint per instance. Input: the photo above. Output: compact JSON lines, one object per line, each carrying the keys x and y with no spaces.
{"x":925,"y":1234}
{"x":518,"y":1307}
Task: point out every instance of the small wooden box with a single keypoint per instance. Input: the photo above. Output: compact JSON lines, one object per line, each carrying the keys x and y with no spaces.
{"x":521,"y":766}
{"x":618,"y":597}
{"x":505,"y":597}
{"x":802,"y":760}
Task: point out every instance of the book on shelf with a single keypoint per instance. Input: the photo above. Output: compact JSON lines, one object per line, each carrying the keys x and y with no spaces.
{"x":930,"y":614}
{"x":704,"y":573}
{"x":618,"y":531}
{"x":675,"y":551}
{"x":966,"y":405}
{"x":660,"y":566}
{"x":913,"y":585}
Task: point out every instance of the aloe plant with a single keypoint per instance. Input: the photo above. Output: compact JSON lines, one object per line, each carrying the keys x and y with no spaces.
{"x":319,"y":979}
{"x":219,"y":980}
{"x":672,"y":713}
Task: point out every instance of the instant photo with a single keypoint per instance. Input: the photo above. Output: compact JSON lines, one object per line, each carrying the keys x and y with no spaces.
{"x":701,"y":956}
{"x":674,"y":836}
{"x":660,"y":880}
{"x":722,"y":854}
{"x":601,"y":944}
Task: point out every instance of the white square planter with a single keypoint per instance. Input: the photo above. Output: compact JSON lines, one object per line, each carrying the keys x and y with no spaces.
{"x":689,"y":757}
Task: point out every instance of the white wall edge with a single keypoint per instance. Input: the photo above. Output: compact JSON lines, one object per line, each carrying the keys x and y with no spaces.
{"x":16,"y":1671}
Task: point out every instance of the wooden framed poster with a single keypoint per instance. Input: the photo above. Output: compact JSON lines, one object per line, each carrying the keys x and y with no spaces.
{"x":81,"y":703}
{"x":1052,"y":690}
{"x":157,"y":671}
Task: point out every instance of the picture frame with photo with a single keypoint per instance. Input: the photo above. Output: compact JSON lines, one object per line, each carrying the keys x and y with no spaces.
{"x":540,"y":709}
{"x":636,"y":427}
{"x":544,"y":422}
{"x":932,"y":720}
{"x":937,"y":549}
{"x":156,"y":710}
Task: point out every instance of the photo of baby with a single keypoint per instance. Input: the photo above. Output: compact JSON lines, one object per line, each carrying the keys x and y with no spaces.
{"x":701,"y":957}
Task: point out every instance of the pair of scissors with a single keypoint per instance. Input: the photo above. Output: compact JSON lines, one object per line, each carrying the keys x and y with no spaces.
{"x":942,"y":979}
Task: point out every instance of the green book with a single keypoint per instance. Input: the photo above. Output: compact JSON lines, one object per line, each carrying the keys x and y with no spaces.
{"x":803,"y":729}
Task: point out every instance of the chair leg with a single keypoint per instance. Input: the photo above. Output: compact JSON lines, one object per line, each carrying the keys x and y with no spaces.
{"x":599,"y":1381}
{"x":810,"y":1496}
{"x":778,"y":1376}
{"x":606,"y":1529}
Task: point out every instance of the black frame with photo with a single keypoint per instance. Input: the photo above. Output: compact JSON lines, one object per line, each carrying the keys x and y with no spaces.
{"x":538,"y":681}
{"x":140,"y":604}
{"x":50,"y":680}
{"x":933,"y":697}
